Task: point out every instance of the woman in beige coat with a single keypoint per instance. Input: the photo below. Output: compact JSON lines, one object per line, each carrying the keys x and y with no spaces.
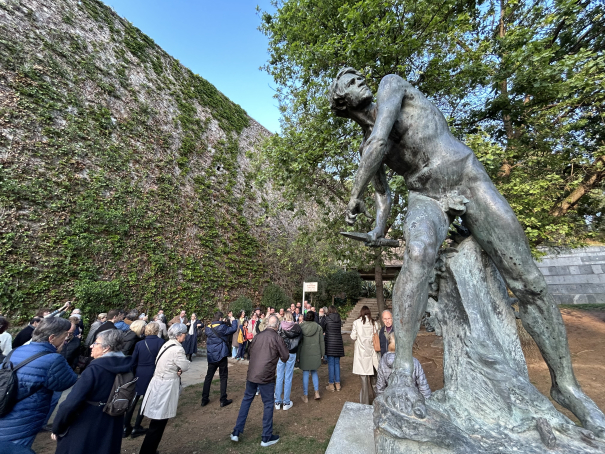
{"x":365,"y":359}
{"x":162,"y":395}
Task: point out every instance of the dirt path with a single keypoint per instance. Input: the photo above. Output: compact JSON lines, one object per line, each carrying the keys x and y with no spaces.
{"x":306,"y":428}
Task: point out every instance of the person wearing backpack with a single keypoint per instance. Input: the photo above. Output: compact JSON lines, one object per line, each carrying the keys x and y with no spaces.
{"x":217,"y":348}
{"x":291,"y":332}
{"x":82,"y":423}
{"x":36,"y":381}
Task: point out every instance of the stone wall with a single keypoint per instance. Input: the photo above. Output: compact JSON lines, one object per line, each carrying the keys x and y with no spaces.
{"x":575,"y":276}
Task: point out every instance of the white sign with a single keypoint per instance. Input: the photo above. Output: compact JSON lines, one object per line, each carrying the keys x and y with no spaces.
{"x":310,"y":287}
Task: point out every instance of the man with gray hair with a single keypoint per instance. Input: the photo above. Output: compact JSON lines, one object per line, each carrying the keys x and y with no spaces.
{"x":266,"y":349}
{"x":47,"y":372}
{"x":383,"y":334}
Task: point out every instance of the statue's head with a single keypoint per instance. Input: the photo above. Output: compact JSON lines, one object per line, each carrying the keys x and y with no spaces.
{"x":348,"y":91}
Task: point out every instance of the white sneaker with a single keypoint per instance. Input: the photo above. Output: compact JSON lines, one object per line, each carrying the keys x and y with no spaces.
{"x":257,"y":393}
{"x":234,"y":437}
{"x":288,"y":406}
{"x":277,"y":406}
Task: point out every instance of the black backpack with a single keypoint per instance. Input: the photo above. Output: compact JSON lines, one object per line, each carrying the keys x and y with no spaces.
{"x":122,"y":394}
{"x":9,"y":387}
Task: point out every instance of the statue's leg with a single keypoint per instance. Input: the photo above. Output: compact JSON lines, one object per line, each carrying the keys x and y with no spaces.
{"x":425,"y":228}
{"x":494,"y":225}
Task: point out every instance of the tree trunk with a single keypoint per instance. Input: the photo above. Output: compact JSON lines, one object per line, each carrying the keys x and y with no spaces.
{"x":593,"y":177}
{"x":379,"y":286}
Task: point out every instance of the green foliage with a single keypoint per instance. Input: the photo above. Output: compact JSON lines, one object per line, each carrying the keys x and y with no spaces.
{"x":100,"y":296}
{"x":242,"y":303}
{"x":274,"y":296}
{"x":98,"y":197}
{"x":527,"y":97}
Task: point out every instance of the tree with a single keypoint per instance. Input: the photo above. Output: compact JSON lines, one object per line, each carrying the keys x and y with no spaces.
{"x":274,"y":296}
{"x":504,"y":73}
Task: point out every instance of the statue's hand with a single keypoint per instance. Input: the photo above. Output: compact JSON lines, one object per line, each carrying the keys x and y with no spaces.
{"x":354,"y":209}
{"x":374,"y":238}
{"x":403,"y":395}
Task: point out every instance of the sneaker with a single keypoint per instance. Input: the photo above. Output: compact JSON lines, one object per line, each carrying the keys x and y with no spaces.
{"x":288,"y":406}
{"x":277,"y":406}
{"x":271,"y":441}
{"x":234,"y":437}
{"x":257,"y":392}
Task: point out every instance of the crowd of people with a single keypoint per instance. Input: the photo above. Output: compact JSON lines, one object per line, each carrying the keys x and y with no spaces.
{"x":123,"y":349}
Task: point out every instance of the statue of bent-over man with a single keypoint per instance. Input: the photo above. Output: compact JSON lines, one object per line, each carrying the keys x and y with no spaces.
{"x":406,"y":132}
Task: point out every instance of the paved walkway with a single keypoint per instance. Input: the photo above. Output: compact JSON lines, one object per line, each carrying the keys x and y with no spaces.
{"x":195,"y":374}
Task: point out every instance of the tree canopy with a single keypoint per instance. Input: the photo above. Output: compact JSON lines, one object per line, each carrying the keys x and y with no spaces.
{"x":520,"y":82}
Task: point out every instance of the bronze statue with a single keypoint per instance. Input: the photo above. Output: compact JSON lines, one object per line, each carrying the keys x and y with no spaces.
{"x":406,"y":132}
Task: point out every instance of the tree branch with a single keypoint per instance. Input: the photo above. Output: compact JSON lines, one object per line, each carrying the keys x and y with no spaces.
{"x":590,"y":181}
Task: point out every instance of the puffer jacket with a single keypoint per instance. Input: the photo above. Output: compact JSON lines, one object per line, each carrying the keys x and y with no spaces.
{"x":290,"y":330}
{"x":333,"y":335}
{"x":37,"y":381}
{"x":312,"y":347}
{"x":217,"y":342}
{"x":386,"y":368}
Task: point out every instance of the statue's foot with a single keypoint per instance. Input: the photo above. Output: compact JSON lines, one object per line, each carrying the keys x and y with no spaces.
{"x":403,"y":396}
{"x":574,"y":399}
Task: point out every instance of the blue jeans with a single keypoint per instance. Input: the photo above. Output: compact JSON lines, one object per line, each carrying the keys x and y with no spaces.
{"x":266,"y":394}
{"x":242,"y":349}
{"x":285,"y":371}
{"x":334,"y":369}
{"x":233,"y":352}
{"x":306,"y":381}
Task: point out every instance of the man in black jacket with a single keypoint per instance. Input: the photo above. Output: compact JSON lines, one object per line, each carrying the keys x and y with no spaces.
{"x":26,"y":333}
{"x":112,"y":317}
{"x":266,"y":349}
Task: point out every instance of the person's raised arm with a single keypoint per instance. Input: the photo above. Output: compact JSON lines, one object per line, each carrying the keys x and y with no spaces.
{"x":388,"y":101}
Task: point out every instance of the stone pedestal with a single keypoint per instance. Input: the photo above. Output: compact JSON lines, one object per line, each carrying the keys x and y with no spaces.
{"x":353,"y":432}
{"x":487,"y":404}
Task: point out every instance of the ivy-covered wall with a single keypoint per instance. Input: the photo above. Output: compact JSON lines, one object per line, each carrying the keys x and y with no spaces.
{"x":121,"y":181}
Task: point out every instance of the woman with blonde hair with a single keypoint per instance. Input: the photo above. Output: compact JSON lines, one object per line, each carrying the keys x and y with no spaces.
{"x":143,"y":365}
{"x":365,"y":359}
{"x":133,"y":336}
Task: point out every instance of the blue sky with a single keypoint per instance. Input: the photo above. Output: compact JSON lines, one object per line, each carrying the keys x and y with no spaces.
{"x":218,"y":40}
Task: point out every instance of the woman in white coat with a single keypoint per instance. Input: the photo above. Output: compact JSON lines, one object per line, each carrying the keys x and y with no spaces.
{"x":162,"y":396}
{"x":365,"y":360}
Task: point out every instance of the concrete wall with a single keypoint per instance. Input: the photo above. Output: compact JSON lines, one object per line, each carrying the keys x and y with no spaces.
{"x":575,"y":276}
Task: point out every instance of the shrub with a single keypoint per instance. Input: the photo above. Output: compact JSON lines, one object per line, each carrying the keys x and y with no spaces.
{"x":243,"y":303}
{"x":275,"y":296}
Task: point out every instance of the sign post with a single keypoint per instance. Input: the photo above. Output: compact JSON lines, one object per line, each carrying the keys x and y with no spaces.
{"x":308,"y":287}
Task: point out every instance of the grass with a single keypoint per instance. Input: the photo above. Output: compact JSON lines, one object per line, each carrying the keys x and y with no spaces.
{"x":250,"y":444}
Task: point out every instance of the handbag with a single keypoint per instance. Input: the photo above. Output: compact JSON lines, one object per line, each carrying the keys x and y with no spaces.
{"x":376,"y":340}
